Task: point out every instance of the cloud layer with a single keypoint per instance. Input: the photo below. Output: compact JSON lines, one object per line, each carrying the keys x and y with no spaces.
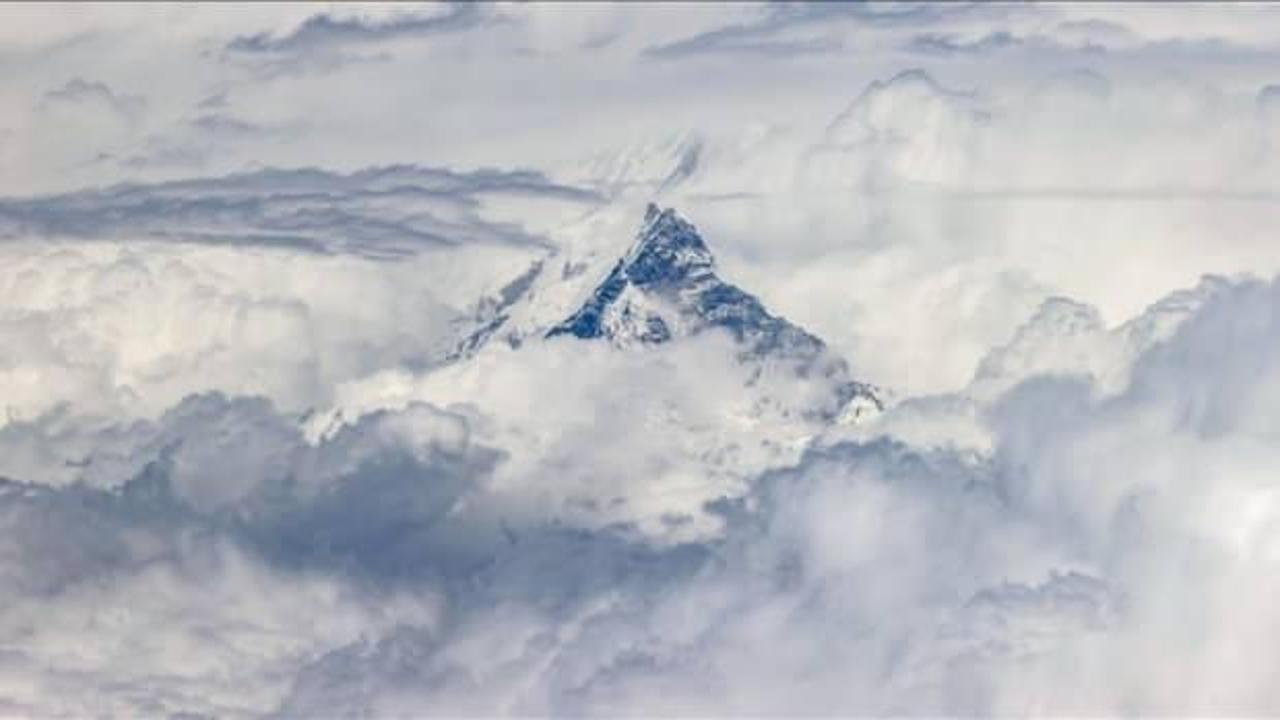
{"x":1050,"y":574}
{"x":251,"y":465}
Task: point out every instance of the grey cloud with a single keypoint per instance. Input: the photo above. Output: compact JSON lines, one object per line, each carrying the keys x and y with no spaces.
{"x":738,"y":43}
{"x":76,"y":534}
{"x":1268,"y":102}
{"x":885,"y":579}
{"x":1217,"y":48}
{"x":710,"y":594}
{"x":1094,"y":31}
{"x":599,"y":41}
{"x":393,"y":501}
{"x":786,"y":29}
{"x":310,"y":210}
{"x":387,"y":523}
{"x":361,"y":504}
{"x":1088,"y":37}
{"x":940,"y":44}
{"x":1074,"y":36}
{"x":324,"y":32}
{"x":269,"y":66}
{"x":1076,"y":83}
{"x":223,"y":125}
{"x":86,"y":95}
{"x":216,"y":101}
{"x":768,"y":34}
{"x":1219,"y":364}
{"x":903,"y":99}
{"x":323,"y":43}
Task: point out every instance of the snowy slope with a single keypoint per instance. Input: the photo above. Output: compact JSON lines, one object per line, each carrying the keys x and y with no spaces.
{"x":664,"y":287}
{"x":607,"y":367}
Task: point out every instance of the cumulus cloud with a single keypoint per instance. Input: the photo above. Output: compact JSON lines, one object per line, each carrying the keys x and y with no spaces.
{"x":972,"y":206}
{"x":126,"y":299}
{"x":287,"y":435}
{"x":214,"y":556}
{"x":131,"y":327}
{"x":884,"y":579}
{"x":888,"y":580}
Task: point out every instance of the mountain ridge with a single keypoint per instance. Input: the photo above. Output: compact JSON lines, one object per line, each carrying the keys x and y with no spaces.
{"x":665,"y":287}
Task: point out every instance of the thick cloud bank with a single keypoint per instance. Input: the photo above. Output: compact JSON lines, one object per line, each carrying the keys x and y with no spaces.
{"x":1110,"y":552}
{"x":345,"y":374}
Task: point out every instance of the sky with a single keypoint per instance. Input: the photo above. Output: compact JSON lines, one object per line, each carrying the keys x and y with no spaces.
{"x":254,"y":460}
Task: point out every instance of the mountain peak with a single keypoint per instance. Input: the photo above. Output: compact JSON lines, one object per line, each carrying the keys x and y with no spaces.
{"x":667,"y":249}
{"x":651,"y":214}
{"x":633,"y":303}
{"x":666,"y":286}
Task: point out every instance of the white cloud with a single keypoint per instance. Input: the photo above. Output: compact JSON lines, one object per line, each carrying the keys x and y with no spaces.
{"x":965,"y":208}
{"x":1087,"y":565}
{"x":132,"y":329}
{"x":244,"y":471}
{"x":283,"y":284}
{"x":883,"y":578}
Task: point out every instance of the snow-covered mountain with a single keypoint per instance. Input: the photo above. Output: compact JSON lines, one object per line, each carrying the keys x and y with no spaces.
{"x":605,"y":343}
{"x":666,"y":287}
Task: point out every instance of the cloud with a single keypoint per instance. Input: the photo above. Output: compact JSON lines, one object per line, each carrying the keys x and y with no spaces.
{"x":987,"y":587}
{"x":122,"y":301}
{"x":217,"y":101}
{"x":323,"y":32}
{"x":227,"y":125}
{"x":741,"y":44}
{"x":310,"y":210}
{"x":247,"y":473}
{"x":946,"y":202}
{"x":948,"y":45}
{"x":89,"y":96}
{"x":1081,"y":39}
{"x":237,"y":576}
{"x":1094,"y":32}
{"x":769,"y":33}
{"x":886,"y":578}
{"x":1071,"y":338}
{"x":83,"y":122}
{"x":1269,"y":102}
{"x":325,"y":42}
{"x":128,"y":329}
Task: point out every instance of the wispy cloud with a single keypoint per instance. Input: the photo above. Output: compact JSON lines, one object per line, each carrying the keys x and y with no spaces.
{"x":325,"y":32}
{"x":377,"y":213}
{"x":771,"y":33}
{"x":949,"y":44}
{"x":93,"y":96}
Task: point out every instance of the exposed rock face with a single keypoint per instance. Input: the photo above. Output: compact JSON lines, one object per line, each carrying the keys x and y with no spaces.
{"x":666,"y":287}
